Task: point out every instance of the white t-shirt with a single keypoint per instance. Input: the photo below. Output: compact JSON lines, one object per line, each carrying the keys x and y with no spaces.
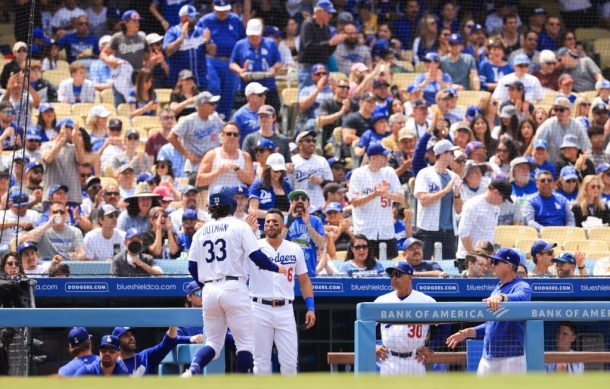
{"x":373,"y":219}
{"x":478,"y":221}
{"x":403,"y":338}
{"x":303,"y":169}
{"x":533,"y":89}
{"x":10,"y":217}
{"x":64,"y":17}
{"x":176,"y":217}
{"x":99,"y":248}
{"x":221,"y":248}
{"x":271,"y":285}
{"x":428,"y":180}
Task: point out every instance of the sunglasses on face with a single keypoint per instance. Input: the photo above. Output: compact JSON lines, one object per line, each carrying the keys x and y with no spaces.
{"x":11,"y":263}
{"x":560,"y":109}
{"x":545,"y":180}
{"x":115,"y":129}
{"x":57,"y":212}
{"x":8,"y":112}
{"x":111,"y":193}
{"x":395,"y":274}
{"x":83,"y":175}
{"x":595,"y":187}
{"x":571,"y":181}
{"x":197,"y":293}
{"x":363,"y":247}
{"x":233,"y":134}
{"x":96,"y":187}
{"x":133,"y":138}
{"x":300,"y":198}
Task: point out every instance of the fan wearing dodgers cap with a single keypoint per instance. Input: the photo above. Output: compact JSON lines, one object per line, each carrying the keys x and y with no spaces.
{"x":256,"y":54}
{"x":108,"y":362}
{"x":459,"y":66}
{"x":403,"y":348}
{"x":226,"y":30}
{"x":533,"y":89}
{"x":373,"y":189}
{"x":80,"y":348}
{"x":547,"y":208}
{"x":539,"y":158}
{"x":186,"y":45}
{"x":18,"y":217}
{"x":127,"y":45}
{"x":437,"y":190}
{"x":167,"y":12}
{"x":503,"y":343}
{"x":246,"y":116}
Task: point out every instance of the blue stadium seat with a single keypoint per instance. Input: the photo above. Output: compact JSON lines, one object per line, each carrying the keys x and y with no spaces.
{"x":86,"y":268}
{"x":173,"y":266}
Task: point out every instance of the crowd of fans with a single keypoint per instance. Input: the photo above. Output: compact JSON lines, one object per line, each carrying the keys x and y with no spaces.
{"x":367,"y":168}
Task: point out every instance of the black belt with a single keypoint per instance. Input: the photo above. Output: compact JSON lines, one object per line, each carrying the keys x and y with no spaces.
{"x":227,"y":278}
{"x":401,"y":355}
{"x":273,"y":303}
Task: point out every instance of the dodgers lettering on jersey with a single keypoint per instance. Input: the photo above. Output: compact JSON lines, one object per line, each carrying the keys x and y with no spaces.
{"x":404,"y":338}
{"x":221,"y":248}
{"x":270,"y":285}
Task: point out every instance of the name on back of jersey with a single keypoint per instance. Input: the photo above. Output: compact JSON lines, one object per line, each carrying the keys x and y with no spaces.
{"x":213,"y":228}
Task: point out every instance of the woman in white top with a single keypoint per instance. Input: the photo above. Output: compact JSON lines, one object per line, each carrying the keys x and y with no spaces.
{"x":227,"y":165}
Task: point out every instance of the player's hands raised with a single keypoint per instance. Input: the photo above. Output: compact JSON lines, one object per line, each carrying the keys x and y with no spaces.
{"x":310,"y":319}
{"x":381,"y":352}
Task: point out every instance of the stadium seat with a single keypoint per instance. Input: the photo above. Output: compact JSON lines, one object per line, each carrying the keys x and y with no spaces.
{"x":143,"y":132}
{"x":599,"y":233}
{"x":602,"y":46}
{"x":341,"y":255}
{"x":590,"y":95}
{"x":507,"y":235}
{"x":407,"y":65}
{"x":105,"y":181}
{"x":82,"y":109}
{"x":591,"y":33}
{"x":145,"y":122}
{"x":163,"y":95}
{"x":124,"y":110}
{"x":562,"y":234}
{"x":420,"y":67}
{"x":525,"y":245}
{"x":549,"y":98}
{"x":586,"y":246}
{"x":407,"y":55}
{"x":63,"y":65}
{"x":62,"y":109}
{"x":56,"y":76}
{"x":402,"y":80}
{"x":289,"y":98}
{"x":107,"y":96}
{"x":470,"y":97}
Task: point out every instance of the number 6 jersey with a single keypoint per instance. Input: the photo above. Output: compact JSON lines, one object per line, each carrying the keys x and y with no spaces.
{"x":221,"y":248}
{"x":403,"y":338}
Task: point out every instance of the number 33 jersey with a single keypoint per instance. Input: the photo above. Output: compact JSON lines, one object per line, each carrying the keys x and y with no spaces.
{"x":277,"y":286}
{"x":221,"y":248}
{"x":404,"y":338}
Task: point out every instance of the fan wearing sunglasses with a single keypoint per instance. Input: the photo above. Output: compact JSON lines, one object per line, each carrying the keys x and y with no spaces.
{"x":101,"y":244}
{"x":547,"y":208}
{"x":403,"y":349}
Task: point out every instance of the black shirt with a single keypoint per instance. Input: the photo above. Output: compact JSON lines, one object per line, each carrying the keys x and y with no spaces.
{"x":395,"y":161}
{"x":314,"y":43}
{"x":357,"y":122}
{"x":328,"y":107}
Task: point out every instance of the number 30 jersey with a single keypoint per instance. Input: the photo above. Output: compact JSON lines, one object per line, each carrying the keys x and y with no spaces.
{"x":221,"y":248}
{"x":276,"y":286}
{"x":403,"y":338}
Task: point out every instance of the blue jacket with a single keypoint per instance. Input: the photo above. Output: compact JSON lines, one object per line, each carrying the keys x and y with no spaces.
{"x":96,"y":369}
{"x":71,"y":368}
{"x":505,"y":338}
{"x":146,"y":361}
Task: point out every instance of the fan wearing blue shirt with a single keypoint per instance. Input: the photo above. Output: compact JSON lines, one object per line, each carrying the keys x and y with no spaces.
{"x":246,"y":116}
{"x":539,"y":159}
{"x":166,"y":11}
{"x":80,"y":44}
{"x":256,"y":54}
{"x":226,"y":29}
{"x":503,"y":341}
{"x":434,"y":79}
{"x":546,"y":208}
{"x":80,"y":348}
{"x":380,"y":130}
{"x":108,"y":362}
{"x":186,"y":46}
{"x":405,"y":28}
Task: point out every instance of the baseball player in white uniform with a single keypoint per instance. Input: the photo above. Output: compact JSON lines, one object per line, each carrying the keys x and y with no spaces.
{"x":272,"y":296}
{"x":403,"y":350}
{"x":217,"y":260}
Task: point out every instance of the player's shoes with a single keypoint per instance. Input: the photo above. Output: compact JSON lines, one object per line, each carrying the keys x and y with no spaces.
{"x":187,"y":374}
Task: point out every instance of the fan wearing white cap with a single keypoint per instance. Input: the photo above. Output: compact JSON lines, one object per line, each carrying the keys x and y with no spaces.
{"x":438,"y":201}
{"x":186,"y":46}
{"x":257,"y":58}
{"x":532,"y":87}
{"x":246,"y":117}
{"x":99,"y":72}
{"x":226,"y":29}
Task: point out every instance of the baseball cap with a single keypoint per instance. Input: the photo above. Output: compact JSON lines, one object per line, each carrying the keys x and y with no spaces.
{"x":131,"y":14}
{"x":411,"y":241}
{"x":32,"y":133}
{"x":367,"y":96}
{"x":19,"y":45}
{"x":476,"y":28}
{"x":472,"y":146}
{"x":45,"y":107}
{"x":568,"y":173}
{"x":472,"y":112}
{"x":521,"y":59}
{"x":125,"y":167}
{"x":64,"y":122}
{"x":222,"y":5}
{"x":565,"y":258}
{"x":276,"y":162}
{"x":451,"y":91}
{"x":191,"y":287}
{"x":334,"y":207}
{"x":457,"y":126}
{"x":420,"y":104}
{"x":359,"y":67}
{"x":303,"y":134}
{"x":206,"y":97}
{"x":188,"y":10}
{"x":508,"y":111}
{"x":406,"y":133}
{"x":315,"y":68}
{"x":254,"y":27}
{"x":569,"y":140}
{"x":547,"y":56}
{"x":326,"y":5}
{"x":99,"y":110}
{"x":602,"y":84}
{"x":272,"y":31}
{"x":516,"y":85}
{"x":541,"y":144}
{"x":115,"y":123}
{"x":402,"y":267}
{"x":57,"y":187}
{"x":77,"y":336}
{"x":129,"y":234}
{"x":297,"y":193}
{"x":379,"y":83}
{"x":164,"y":192}
{"x":107,"y":209}
{"x":144,"y":177}
{"x":189,"y":188}
{"x":519,"y":161}
{"x":26,"y":245}
{"x":412,"y":88}
{"x":562,"y":102}
{"x":539,"y":11}
{"x":602,"y":167}
{"x":432,"y":56}
{"x":443,"y":146}
{"x":455,"y":39}
{"x":266,"y":109}
{"x":599,"y":108}
{"x":19,"y":199}
{"x":111,"y":341}
{"x":264,"y":143}
{"x":377,"y":149}
{"x":189,"y":214}
{"x":153,"y":38}
{"x":336,"y":161}
{"x":239,"y":190}
{"x":120,"y":331}
{"x":92,"y":181}
{"x":254,"y":88}
{"x":541,"y":246}
{"x":222,"y":198}
{"x":504,"y":187}
{"x":564,"y":50}
{"x":32,"y":165}
{"x":506,"y":255}
{"x":377,"y":116}
{"x":104,"y":40}
{"x":345,"y":17}
{"x":565,"y":79}
{"x":186,"y":74}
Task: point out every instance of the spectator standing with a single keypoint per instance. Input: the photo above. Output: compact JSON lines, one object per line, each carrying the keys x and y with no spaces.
{"x":438,"y":193}
{"x":17,"y":218}
{"x":266,"y":120}
{"x":310,"y":97}
{"x":99,"y":71}
{"x":333,"y":109}
{"x":132,"y":262}
{"x":460,"y":67}
{"x":63,"y":18}
{"x":404,"y":28}
{"x":167,"y":12}
{"x":583,"y":70}
{"x":198,"y":132}
{"x":246,"y":117}
{"x":549,"y":38}
{"x":81,"y":44}
{"x":226,"y":28}
{"x":547,"y":208}
{"x":310,"y":170}
{"x":532,"y":87}
{"x":102,"y":244}
{"x":350,"y":51}
{"x":186,"y":45}
{"x":434,"y":79}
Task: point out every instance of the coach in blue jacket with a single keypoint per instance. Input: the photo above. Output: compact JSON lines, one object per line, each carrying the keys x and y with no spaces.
{"x":503,"y":345}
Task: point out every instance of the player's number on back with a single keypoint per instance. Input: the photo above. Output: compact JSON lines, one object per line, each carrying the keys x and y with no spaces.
{"x":217,"y":250}
{"x":415,"y":331}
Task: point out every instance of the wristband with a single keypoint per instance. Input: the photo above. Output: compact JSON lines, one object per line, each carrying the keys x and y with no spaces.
{"x":309,"y":304}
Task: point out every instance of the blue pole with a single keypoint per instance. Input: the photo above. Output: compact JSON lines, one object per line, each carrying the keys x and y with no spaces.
{"x":534,"y":345}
